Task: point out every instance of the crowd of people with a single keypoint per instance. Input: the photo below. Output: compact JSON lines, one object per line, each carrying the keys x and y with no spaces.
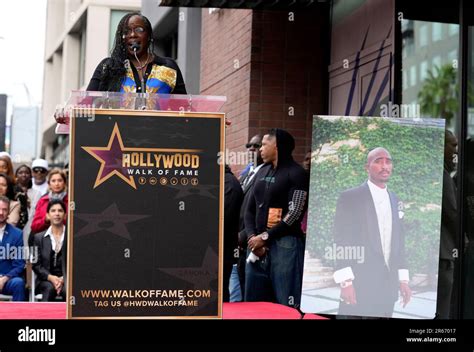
{"x":265,"y":213}
{"x":265,"y":224}
{"x":33,"y":209}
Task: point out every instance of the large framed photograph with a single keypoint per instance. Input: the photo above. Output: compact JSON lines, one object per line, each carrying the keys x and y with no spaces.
{"x":374,"y":216}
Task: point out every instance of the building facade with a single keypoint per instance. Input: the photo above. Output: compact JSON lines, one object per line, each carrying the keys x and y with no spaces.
{"x":280,"y":63}
{"x":79,"y":34}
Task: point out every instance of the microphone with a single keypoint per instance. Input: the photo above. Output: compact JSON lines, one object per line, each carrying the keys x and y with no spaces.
{"x":135,"y":47}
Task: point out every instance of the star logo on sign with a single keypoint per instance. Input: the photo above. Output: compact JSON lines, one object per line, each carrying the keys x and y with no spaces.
{"x":108,"y":156}
{"x":110,"y":216}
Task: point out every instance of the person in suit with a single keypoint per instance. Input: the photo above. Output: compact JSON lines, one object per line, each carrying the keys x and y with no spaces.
{"x":49,"y":266}
{"x":253,"y":147}
{"x":368,"y":222}
{"x":247,"y":183}
{"x":275,"y":245}
{"x":11,"y":267}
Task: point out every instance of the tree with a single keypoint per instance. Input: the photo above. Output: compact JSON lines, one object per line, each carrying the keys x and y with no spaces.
{"x":439,"y":96}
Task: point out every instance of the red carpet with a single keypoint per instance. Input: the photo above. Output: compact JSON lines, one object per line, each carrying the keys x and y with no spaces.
{"x":37,"y":310}
{"x":243,"y":310}
{"x":259,"y":310}
{"x":309,"y":316}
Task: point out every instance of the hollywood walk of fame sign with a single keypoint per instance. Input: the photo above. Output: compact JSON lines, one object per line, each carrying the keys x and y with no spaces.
{"x":145,"y":225}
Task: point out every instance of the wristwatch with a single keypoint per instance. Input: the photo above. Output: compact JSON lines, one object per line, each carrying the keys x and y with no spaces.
{"x":264,"y":236}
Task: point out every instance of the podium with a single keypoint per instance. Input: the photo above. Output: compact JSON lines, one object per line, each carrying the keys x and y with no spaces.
{"x":145,"y":224}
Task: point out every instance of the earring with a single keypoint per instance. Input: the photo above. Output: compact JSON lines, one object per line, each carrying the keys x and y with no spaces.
{"x":123,"y":36}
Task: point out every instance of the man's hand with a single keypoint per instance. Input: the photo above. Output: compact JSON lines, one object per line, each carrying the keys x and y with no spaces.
{"x":348,"y":295}
{"x":56,"y":281}
{"x":60,"y":286}
{"x":260,"y":252}
{"x":255,"y":243}
{"x":405,"y":293}
{"x":3,"y":281}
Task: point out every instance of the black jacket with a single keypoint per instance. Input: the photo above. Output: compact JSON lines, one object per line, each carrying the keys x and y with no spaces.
{"x":280,"y":195}
{"x":248,"y":193}
{"x":232,"y":203}
{"x":356,"y":227}
{"x":97,"y":84}
{"x":449,"y":240}
{"x":42,"y":264}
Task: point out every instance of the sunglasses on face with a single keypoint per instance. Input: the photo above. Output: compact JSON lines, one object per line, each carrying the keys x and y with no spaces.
{"x":255,"y":145}
{"x":39,"y":171}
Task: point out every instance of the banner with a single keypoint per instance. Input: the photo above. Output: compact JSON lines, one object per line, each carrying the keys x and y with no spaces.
{"x":374,"y":217}
{"x":145,"y":220}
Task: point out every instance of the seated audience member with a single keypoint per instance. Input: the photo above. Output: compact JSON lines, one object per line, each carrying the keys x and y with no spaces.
{"x":6,"y":190}
{"x":51,"y":249}
{"x":11,"y":267}
{"x":57,"y":190}
{"x":24,"y":185}
{"x":40,"y":169}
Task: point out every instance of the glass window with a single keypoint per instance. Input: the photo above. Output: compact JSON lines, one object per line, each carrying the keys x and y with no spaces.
{"x":436,"y":63}
{"x":408,"y":41}
{"x":452,"y":55}
{"x":437,"y":32}
{"x":420,"y":62}
{"x":115,"y":17}
{"x":429,"y":92}
{"x":453,"y":29}
{"x":423,"y":35}
{"x":423,"y":70}
{"x":413,"y":76}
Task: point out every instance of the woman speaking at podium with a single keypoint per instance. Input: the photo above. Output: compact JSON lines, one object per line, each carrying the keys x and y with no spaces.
{"x":133,"y":67}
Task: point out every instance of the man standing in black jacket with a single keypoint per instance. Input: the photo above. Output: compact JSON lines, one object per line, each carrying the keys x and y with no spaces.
{"x":232,"y":203}
{"x":247,"y":182}
{"x":273,"y":217}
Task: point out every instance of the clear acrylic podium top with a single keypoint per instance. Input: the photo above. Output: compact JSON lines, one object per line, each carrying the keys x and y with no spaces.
{"x":86,"y":100}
